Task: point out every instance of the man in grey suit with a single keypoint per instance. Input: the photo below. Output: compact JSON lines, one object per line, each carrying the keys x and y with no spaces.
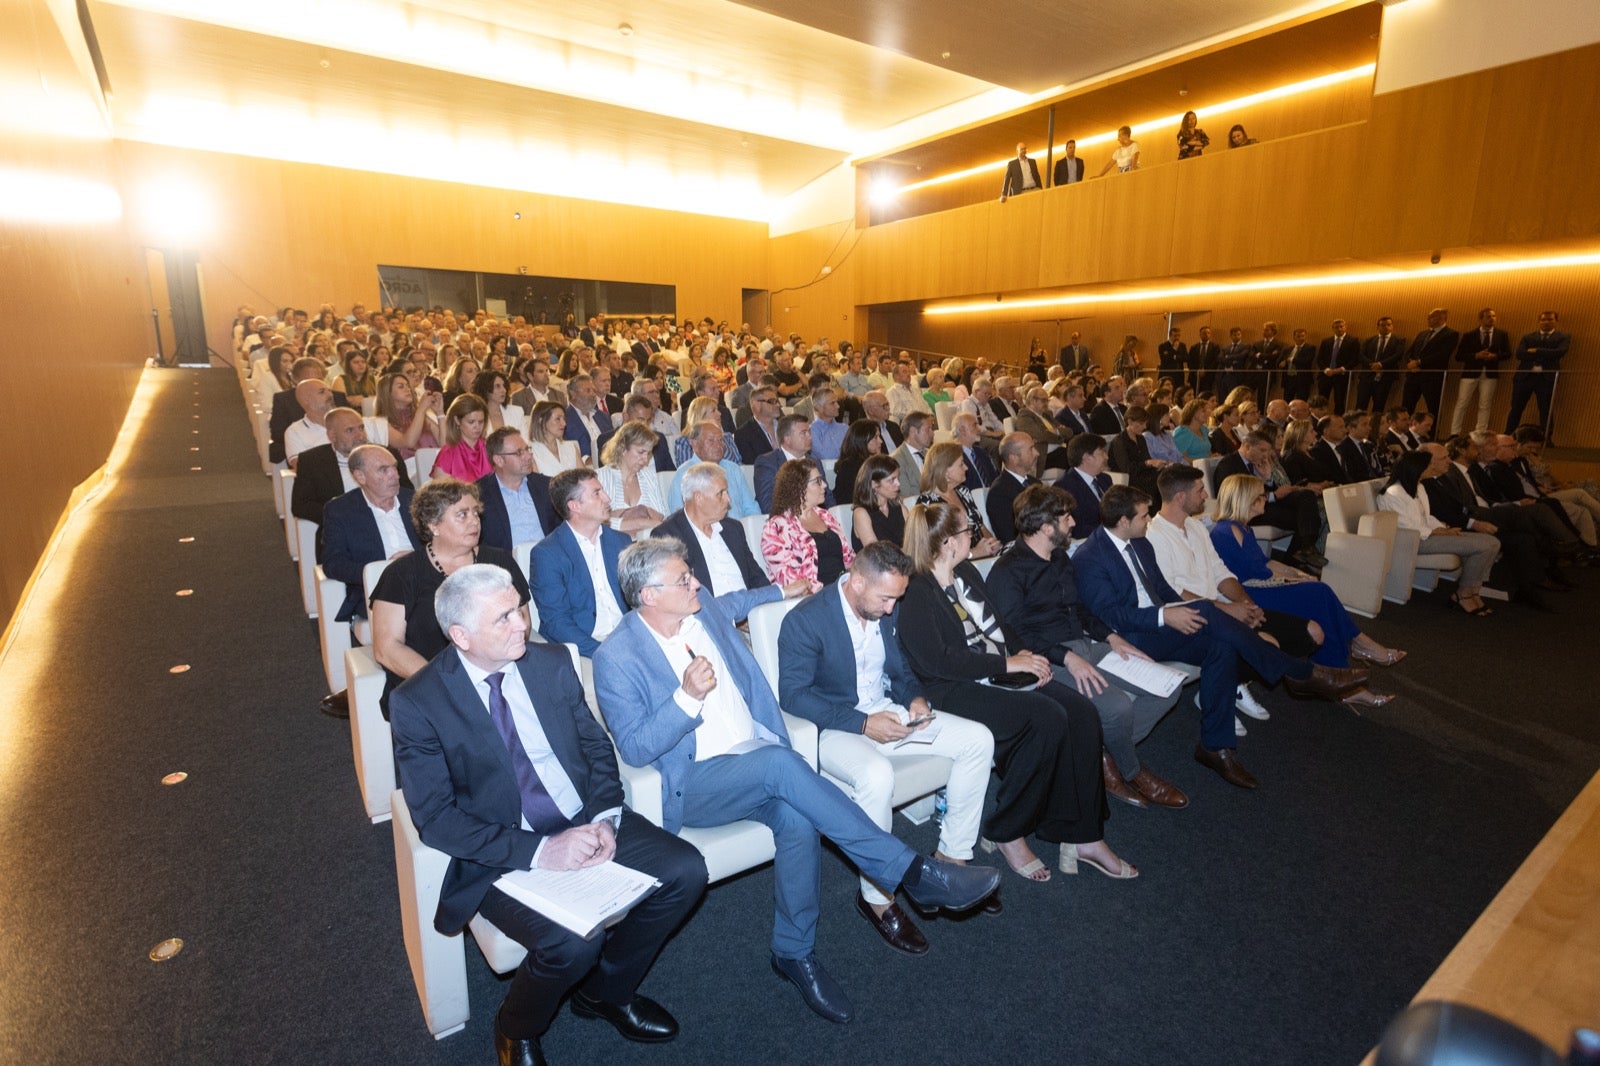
{"x":919,"y":438}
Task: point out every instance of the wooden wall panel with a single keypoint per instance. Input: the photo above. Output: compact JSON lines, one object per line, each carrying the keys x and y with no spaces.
{"x":300,"y":235}
{"x":1136,"y":233}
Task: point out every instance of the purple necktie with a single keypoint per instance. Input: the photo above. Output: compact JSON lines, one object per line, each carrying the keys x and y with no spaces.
{"x":537,"y":806}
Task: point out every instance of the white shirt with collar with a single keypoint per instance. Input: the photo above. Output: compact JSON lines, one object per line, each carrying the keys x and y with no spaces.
{"x":721,"y":566}
{"x":1089,"y":479}
{"x":1145,"y":599}
{"x":1188,"y":559}
{"x":303,"y":436}
{"x":866,"y":641}
{"x":607,"y":614}
{"x":391,"y":526}
{"x":726,"y":726}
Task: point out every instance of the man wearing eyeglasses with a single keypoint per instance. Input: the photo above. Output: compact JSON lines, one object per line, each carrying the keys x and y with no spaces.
{"x":682,"y":693}
{"x":516,"y":498}
{"x":759,"y":435}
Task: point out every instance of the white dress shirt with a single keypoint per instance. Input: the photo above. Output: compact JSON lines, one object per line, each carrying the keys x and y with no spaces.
{"x":531,"y":732}
{"x":721,"y":567}
{"x":866,"y":640}
{"x":1188,"y":559}
{"x":725,"y":721}
{"x":607,"y":614}
{"x":391,"y":527}
{"x":303,"y":436}
{"x":1145,"y":599}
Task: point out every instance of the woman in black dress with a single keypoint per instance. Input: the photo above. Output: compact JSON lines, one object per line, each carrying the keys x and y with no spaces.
{"x":878,"y":513}
{"x":1192,"y":140}
{"x":860,"y":440}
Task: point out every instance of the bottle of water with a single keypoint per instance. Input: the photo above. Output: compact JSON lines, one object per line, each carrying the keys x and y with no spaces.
{"x":941,"y":803}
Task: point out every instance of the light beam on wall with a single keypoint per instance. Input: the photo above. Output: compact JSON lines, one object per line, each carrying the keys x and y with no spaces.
{"x":39,"y":196}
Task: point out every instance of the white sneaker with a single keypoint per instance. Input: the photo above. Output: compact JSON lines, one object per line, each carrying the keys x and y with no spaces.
{"x":1238,"y":727}
{"x":1248,"y":704}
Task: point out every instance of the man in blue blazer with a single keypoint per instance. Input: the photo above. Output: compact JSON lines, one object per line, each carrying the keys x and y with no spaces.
{"x":513,"y":484}
{"x":794,"y":442}
{"x":586,"y":404}
{"x":351,"y":537}
{"x":682,"y":693}
{"x":574,"y":579}
{"x":1087,"y":481}
{"x":504,"y":768}
{"x":1122,"y":585}
{"x":865,"y":704}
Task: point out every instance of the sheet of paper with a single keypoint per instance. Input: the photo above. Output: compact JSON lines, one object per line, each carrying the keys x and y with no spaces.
{"x":1153,"y":677}
{"x":925,"y":735}
{"x":581,"y":900}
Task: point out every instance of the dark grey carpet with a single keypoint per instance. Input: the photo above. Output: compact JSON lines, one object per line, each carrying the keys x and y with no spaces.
{"x":1283,"y":926}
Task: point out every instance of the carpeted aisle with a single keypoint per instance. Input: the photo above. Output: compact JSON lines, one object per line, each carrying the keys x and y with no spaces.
{"x":1286,"y":925}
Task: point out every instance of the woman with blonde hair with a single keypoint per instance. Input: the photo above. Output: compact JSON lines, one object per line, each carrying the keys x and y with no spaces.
{"x":458,"y":380}
{"x":1047,"y":737}
{"x":552,"y":453}
{"x":944,"y":475}
{"x":629,"y":478}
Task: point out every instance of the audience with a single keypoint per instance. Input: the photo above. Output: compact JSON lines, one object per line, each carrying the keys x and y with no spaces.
{"x":944,"y":476}
{"x":713,"y":538}
{"x":1405,"y":495}
{"x":630,"y":481}
{"x":573,"y":570}
{"x":802,"y":540}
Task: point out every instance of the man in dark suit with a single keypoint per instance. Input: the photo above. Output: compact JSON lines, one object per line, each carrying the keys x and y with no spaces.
{"x":1381,"y":357}
{"x":759,"y":435}
{"x":1331,"y":434}
{"x":1074,"y":356}
{"x":286,"y":409}
{"x":1172,"y":357}
{"x":1427,"y":362}
{"x":860,"y":719}
{"x":1107,"y":416}
{"x":681,"y":692}
{"x":531,"y":784}
{"x":574,"y":579}
{"x":323,"y":474}
{"x":1022,"y":174}
{"x":1337,"y":356}
{"x":1202,"y":362}
{"x":1299,"y":368}
{"x":1539,"y":356}
{"x":1355,"y":450}
{"x":703,"y":526}
{"x":1480,"y":354}
{"x":981,"y":470}
{"x":875,"y":407}
{"x":1087,"y":481}
{"x":1071,"y":417}
{"x":1234,"y":363}
{"x":370,"y":522}
{"x":1558,"y":538}
{"x":515,"y":498}
{"x":1266,"y":361}
{"x":794,"y":442}
{"x":1522,"y":568}
{"x":1069,"y":168}
{"x":1287,"y":507}
{"x":587,"y":421}
{"x":1019,"y":455}
{"x":1122,"y":584}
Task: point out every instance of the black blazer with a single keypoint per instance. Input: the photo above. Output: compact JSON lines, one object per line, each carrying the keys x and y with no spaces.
{"x":1013,"y":182}
{"x":1075,"y":358}
{"x":1227,"y":466}
{"x":286,"y":411}
{"x":1304,"y":467}
{"x":317,"y":480}
{"x":1086,"y":505}
{"x":752,"y":441}
{"x":1394,"y":353}
{"x":935,"y":642}
{"x":1471,"y":344}
{"x":1434,"y":353}
{"x":1103,"y":419}
{"x":1356,"y":464}
{"x":677,"y":525}
{"x":1349,"y":353}
{"x":458,"y":778}
{"x":495,"y":530}
{"x":999,"y":502}
{"x":1073,"y":422}
{"x":349,"y":540}
{"x":1069,"y":168}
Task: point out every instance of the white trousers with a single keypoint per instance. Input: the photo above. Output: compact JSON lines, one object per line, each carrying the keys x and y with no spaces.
{"x":1484,"y":388}
{"x":865,"y":770}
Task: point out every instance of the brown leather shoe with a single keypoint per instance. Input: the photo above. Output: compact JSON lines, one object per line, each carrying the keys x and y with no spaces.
{"x":1226,"y":764}
{"x":895,"y":928}
{"x":1326,"y":682}
{"x":1116,"y":786}
{"x":1161,"y":793}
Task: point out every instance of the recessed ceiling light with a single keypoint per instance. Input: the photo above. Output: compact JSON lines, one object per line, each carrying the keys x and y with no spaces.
{"x":944,"y":55}
{"x":625,"y":29}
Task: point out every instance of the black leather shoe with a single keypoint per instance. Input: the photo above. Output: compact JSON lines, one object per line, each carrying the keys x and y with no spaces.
{"x":643,"y":1019}
{"x":1226,"y":764}
{"x":953,"y":887}
{"x":897,"y":930}
{"x":816,"y":987}
{"x":992,"y":905}
{"x":517,"y":1052}
{"x":336,"y":705}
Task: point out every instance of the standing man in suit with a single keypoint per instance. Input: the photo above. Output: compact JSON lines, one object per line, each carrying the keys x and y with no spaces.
{"x":1123,"y":586}
{"x":1107,"y":417}
{"x":1074,"y":356}
{"x":1069,"y":168}
{"x":1202,"y":362}
{"x":1299,"y":367}
{"x":515,"y":497}
{"x":863,"y":713}
{"x":1480,"y":354}
{"x":1019,"y":456}
{"x":1381,"y":357}
{"x":574,"y":579}
{"x":794,"y":442}
{"x":1234,"y":364}
{"x":1022,"y":174}
{"x":1539,"y":356}
{"x":1087,"y":481}
{"x":1267,"y":361}
{"x":682,"y":693}
{"x":501,"y":780}
{"x":1428,"y":361}
{"x":1337,"y":355}
{"x":718,"y":552}
{"x":1172,"y":357}
{"x":913,"y":451}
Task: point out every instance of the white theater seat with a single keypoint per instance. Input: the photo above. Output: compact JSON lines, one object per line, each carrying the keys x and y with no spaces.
{"x":333,"y":638}
{"x":284,"y":482}
{"x":305,"y":537}
{"x":370,"y":741}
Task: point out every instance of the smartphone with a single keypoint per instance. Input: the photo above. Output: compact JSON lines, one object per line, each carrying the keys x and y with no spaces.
{"x":431,"y":385}
{"x":918,"y":722}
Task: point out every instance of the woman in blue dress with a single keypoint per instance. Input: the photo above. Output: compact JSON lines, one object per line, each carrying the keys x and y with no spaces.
{"x":1277,"y":587}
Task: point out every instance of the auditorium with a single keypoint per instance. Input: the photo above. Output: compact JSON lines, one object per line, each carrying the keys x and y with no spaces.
{"x":1068,"y":536}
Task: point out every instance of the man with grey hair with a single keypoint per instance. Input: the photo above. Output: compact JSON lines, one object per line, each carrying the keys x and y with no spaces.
{"x":903,"y":397}
{"x":552,"y":802}
{"x":827,"y":432}
{"x":718,"y":552}
{"x":322,"y":473}
{"x":710,"y":446}
{"x":977,"y":405}
{"x":682,"y":693}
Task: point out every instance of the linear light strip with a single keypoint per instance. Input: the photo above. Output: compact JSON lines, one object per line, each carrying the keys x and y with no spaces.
{"x":1309,"y":85}
{"x":1179,"y":292}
